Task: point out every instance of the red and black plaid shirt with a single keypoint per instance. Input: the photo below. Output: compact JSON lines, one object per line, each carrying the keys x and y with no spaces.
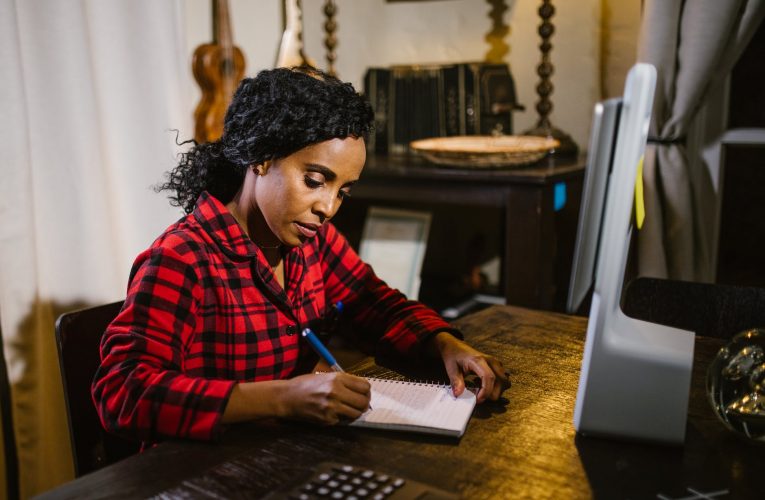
{"x":204,"y":311}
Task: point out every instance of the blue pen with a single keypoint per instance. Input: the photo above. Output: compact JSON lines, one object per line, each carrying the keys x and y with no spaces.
{"x":322,"y":351}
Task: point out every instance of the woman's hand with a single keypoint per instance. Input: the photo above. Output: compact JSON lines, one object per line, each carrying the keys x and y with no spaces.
{"x":460,"y":359}
{"x":325,"y":398}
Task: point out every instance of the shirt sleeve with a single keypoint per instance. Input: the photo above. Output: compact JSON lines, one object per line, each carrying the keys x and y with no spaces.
{"x":380,"y":314}
{"x":139,"y":389}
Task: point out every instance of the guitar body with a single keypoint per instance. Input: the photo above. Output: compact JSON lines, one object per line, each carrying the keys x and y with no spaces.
{"x":218,"y":71}
{"x":218,"y":68}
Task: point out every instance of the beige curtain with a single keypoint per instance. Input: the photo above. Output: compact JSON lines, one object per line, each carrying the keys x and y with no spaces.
{"x":693,"y":44}
{"x":90,"y":90}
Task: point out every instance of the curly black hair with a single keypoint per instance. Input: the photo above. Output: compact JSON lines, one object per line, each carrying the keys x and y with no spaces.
{"x":271,"y":116}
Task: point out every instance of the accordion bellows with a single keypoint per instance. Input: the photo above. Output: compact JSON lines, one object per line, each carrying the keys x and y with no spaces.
{"x":421,"y":101}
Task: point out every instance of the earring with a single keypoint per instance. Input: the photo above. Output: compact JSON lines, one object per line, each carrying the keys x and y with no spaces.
{"x":262,"y":168}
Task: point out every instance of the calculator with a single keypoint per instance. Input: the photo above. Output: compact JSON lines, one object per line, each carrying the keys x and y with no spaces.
{"x":332,"y":480}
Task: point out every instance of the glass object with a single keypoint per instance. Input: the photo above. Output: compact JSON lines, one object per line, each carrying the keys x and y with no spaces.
{"x":736,"y":384}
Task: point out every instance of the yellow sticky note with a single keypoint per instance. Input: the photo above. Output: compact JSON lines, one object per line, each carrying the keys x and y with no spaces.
{"x":639,"y":201}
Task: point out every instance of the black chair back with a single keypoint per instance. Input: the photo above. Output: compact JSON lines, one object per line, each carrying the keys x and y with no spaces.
{"x":9,"y":433}
{"x":710,"y":310}
{"x":78,"y":336}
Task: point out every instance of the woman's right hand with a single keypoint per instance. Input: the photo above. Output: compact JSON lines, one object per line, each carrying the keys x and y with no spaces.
{"x":325,"y":398}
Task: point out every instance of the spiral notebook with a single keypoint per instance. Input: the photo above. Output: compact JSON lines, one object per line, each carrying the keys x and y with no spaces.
{"x":417,"y":407}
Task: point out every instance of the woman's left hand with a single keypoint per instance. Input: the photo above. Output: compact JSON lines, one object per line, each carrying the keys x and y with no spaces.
{"x":460,"y":359}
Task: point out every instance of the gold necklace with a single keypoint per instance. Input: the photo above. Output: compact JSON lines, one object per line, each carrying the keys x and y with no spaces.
{"x":264,"y":247}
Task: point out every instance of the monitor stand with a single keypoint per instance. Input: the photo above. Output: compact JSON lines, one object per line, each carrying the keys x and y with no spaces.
{"x":636,"y":378}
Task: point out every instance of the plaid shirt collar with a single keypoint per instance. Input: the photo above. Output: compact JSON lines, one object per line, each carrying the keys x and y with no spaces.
{"x":217,"y":221}
{"x":222,"y":227}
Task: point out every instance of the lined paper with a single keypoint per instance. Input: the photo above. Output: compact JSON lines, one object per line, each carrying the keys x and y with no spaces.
{"x":418,"y":407}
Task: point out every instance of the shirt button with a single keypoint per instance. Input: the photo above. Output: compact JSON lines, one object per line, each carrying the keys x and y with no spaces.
{"x":291,"y":330}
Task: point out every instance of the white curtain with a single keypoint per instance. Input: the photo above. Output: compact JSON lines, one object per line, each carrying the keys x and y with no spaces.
{"x":693,"y":44}
{"x":90,"y":91}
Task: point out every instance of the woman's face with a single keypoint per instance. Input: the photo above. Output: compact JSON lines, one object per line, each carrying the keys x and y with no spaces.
{"x":296,"y":194}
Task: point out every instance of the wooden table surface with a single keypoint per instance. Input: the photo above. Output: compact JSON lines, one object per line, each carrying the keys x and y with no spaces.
{"x":549,"y":169}
{"x":522,"y":447}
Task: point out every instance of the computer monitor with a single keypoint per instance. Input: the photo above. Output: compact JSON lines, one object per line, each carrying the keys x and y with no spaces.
{"x":596,"y":173}
{"x":635,"y":375}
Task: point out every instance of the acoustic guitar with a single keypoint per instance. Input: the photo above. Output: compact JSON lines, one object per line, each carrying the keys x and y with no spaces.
{"x":218,"y":68}
{"x":291,"y":48}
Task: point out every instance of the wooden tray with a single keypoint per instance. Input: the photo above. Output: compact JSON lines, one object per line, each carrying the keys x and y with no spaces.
{"x":479,"y":151}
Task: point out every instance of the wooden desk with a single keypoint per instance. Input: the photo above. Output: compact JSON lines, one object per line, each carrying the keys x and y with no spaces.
{"x":536,"y":238}
{"x":523,"y":448}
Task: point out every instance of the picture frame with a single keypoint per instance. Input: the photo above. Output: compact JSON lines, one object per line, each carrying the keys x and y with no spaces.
{"x":394,"y":242}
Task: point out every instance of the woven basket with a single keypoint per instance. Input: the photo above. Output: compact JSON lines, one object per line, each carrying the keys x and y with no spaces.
{"x":477,"y":151}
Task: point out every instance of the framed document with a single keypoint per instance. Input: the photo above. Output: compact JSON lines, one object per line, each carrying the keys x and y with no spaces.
{"x":394,"y":243}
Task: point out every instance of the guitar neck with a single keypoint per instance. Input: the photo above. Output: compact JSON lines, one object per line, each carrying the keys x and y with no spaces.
{"x":293,"y":18}
{"x":222,"y":32}
{"x":291,"y":48}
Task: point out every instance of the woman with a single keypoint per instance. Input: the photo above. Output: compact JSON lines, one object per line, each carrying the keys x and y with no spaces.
{"x":208,"y":334}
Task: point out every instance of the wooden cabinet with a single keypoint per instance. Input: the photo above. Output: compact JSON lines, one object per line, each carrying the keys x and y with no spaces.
{"x":740,"y":256}
{"x":532,"y":212}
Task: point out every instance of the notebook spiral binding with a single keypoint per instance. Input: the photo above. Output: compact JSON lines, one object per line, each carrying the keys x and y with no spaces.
{"x":395,"y":377}
{"x":413,"y":382}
